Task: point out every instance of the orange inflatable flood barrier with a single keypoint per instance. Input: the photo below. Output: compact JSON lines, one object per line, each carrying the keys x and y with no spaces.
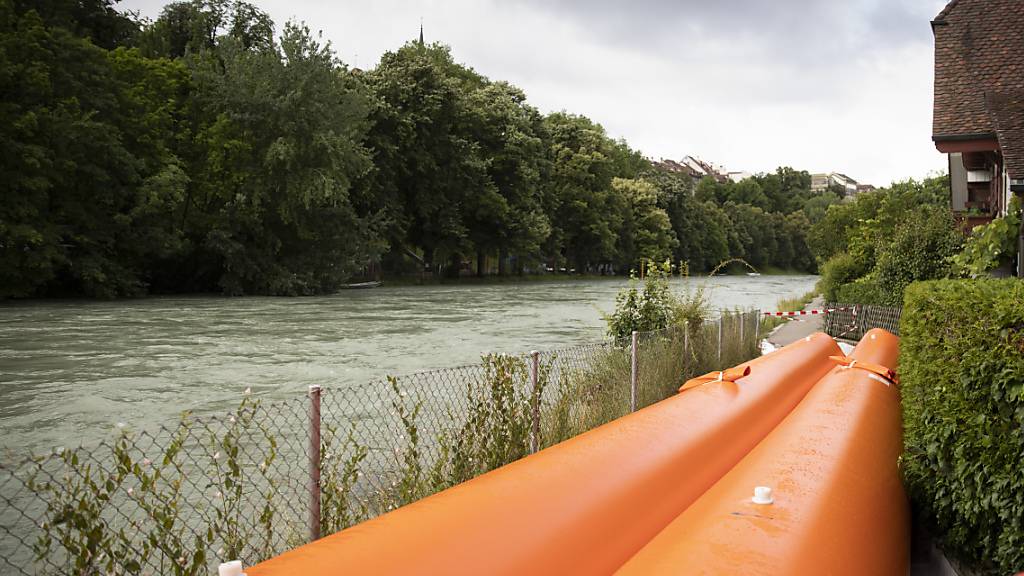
{"x":837,"y":504}
{"x":583,"y":506}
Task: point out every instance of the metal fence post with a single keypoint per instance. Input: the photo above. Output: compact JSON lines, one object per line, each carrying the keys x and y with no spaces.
{"x":721,"y":316}
{"x":757,"y":327}
{"x":743,"y":320}
{"x":534,"y":379}
{"x":314,"y":462}
{"x":686,"y":346}
{"x":633,"y":377}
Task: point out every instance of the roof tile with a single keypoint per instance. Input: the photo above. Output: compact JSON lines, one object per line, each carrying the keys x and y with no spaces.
{"x":979,"y":50}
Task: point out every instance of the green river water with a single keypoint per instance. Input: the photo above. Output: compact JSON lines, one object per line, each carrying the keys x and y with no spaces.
{"x":72,"y":370}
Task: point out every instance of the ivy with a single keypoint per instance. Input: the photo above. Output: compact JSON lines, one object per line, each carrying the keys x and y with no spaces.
{"x":991,"y":245}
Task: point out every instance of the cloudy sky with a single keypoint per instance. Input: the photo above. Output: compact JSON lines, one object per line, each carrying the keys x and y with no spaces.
{"x":821,"y":85}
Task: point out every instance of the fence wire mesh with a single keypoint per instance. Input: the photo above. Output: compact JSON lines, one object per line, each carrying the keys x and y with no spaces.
{"x":248,"y":484}
{"x":852,"y":321}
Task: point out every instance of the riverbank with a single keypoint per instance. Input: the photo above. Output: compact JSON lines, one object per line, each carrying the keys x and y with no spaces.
{"x":554,"y":277}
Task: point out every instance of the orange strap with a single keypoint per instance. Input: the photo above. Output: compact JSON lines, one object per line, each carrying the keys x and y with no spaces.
{"x":730,"y":375}
{"x":877,"y":369}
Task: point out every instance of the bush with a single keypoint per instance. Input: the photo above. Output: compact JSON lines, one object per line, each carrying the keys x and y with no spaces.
{"x":962,"y":365}
{"x":653,"y":306}
{"x":864,"y":290}
{"x":990,"y":246}
{"x":648,"y":308}
{"x":840,"y":269}
{"x":921,"y":249}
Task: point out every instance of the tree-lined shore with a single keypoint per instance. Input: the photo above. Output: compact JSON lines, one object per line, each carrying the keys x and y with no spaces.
{"x":206,"y":151}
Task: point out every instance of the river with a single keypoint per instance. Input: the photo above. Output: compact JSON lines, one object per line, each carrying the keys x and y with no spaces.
{"x":72,"y":370}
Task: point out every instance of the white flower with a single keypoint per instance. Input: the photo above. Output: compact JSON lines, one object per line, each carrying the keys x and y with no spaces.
{"x":216,"y":455}
{"x":248,"y":391}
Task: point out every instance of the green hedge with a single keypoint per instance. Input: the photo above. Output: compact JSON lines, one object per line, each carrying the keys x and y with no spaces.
{"x":962,"y":372}
{"x":863,"y":291}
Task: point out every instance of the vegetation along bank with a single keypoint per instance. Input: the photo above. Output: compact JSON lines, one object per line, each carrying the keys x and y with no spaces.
{"x":208,"y":151}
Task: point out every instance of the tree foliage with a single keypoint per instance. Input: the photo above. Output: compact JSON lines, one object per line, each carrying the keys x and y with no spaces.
{"x":209,"y":151}
{"x":872,"y":248}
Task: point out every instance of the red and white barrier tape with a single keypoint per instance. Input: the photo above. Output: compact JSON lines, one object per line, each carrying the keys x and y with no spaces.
{"x":807,"y":312}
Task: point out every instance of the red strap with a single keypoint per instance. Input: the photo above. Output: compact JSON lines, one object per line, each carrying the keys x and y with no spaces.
{"x":877,"y":369}
{"x":730,"y":375}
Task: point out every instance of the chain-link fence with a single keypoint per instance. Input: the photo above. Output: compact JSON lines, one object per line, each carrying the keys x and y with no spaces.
{"x":270,"y":476}
{"x":851,"y":321}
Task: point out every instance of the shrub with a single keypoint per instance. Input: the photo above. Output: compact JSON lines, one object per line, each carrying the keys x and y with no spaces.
{"x":921,"y":249}
{"x":990,"y":246}
{"x":840,"y":269}
{"x":864,"y":290}
{"x":653,"y":306}
{"x":649,"y":307}
{"x":962,"y":365}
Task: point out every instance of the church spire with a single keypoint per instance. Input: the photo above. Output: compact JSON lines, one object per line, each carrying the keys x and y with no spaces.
{"x":421,"y":31}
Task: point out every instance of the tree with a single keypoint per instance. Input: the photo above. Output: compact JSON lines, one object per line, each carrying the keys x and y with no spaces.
{"x":285,"y":131}
{"x":97,"y":21}
{"x":921,"y":249}
{"x":428,"y":158}
{"x":646,"y":230}
{"x":747,"y":191}
{"x":585,"y":219}
{"x":198,"y":25}
{"x":508,"y":215}
{"x":816,"y":205}
{"x":90,"y":173}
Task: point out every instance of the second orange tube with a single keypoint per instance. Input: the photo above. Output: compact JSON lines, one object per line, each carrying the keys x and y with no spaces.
{"x":584,"y":506}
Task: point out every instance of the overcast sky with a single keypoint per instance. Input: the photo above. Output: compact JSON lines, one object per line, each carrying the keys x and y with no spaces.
{"x":820,"y":85}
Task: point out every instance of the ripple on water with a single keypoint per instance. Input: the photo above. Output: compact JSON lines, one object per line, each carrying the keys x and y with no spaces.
{"x":69,"y":371}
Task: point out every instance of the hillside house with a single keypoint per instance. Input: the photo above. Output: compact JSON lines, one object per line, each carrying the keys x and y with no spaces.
{"x":846,"y":186}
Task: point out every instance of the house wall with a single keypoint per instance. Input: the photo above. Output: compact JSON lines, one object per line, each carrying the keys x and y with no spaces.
{"x":957,"y":182}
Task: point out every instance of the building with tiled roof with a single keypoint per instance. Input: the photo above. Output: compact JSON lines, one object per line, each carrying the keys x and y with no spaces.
{"x":697,"y":169}
{"x":979,"y":102}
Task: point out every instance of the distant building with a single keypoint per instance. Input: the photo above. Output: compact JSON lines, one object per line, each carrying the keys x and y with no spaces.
{"x":978,"y":114}
{"x":697,"y":169}
{"x":848,"y":187}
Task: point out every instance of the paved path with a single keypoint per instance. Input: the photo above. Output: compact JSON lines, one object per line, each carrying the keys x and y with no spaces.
{"x":794,"y":330}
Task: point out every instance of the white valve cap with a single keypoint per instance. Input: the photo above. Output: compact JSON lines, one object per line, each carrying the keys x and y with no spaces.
{"x":762,"y":495}
{"x":233,"y":568}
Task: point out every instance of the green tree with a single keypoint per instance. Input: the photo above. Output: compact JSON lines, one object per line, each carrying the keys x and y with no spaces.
{"x":921,"y":249}
{"x":90,"y":173}
{"x":285,"y":130}
{"x":646,"y":230}
{"x":427,"y":157}
{"x":816,"y":206}
{"x":584,"y":216}
{"x":507,"y":216}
